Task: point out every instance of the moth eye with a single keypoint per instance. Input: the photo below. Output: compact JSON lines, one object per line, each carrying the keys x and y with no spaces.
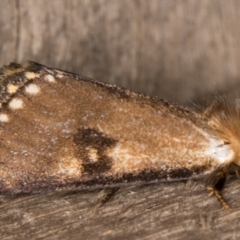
{"x":224,"y":143}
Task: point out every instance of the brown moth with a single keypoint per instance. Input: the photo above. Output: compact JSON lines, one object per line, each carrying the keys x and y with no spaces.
{"x":62,"y":131}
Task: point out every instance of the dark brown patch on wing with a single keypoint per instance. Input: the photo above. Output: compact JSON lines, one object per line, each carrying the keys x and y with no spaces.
{"x":87,"y":139}
{"x":142,"y":178}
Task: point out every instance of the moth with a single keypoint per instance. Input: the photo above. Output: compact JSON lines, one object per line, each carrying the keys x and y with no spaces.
{"x":62,"y":131}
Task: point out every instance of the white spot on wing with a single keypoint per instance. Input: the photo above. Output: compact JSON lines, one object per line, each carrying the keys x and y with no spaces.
{"x":32,"y":89}
{"x":50,"y":78}
{"x":60,"y":74}
{"x":16,"y":103}
{"x":4,"y":117}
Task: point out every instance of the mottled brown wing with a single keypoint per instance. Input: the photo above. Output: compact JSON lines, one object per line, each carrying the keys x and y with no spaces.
{"x":63,"y":131}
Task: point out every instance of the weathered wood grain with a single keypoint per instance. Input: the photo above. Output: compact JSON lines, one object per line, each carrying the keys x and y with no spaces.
{"x":180,"y":51}
{"x":162,"y":211}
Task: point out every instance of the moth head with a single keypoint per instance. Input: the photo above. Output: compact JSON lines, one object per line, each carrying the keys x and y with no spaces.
{"x":224,"y":120}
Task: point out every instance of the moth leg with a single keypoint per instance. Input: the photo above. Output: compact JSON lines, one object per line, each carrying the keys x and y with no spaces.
{"x":215,"y":184}
{"x":236,"y":169}
{"x":220,"y":198}
{"x":109,"y":193}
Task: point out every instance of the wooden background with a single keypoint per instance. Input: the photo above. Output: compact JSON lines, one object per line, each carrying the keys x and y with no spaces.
{"x":182,"y":51}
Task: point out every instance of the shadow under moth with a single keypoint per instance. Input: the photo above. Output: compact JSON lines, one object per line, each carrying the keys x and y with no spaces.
{"x":62,"y":131}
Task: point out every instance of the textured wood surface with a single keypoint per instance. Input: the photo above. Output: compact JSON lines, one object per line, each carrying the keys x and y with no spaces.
{"x":162,"y":211}
{"x":180,"y":51}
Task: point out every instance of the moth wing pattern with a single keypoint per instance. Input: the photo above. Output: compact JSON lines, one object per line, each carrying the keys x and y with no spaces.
{"x":60,"y":131}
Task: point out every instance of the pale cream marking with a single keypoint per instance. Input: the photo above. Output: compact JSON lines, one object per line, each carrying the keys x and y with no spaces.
{"x":12,"y":88}
{"x":219,"y":151}
{"x":0,"y":105}
{"x":16,"y":104}
{"x":60,"y":74}
{"x":9,"y":72}
{"x":93,"y":155}
{"x":69,"y":166}
{"x":216,"y":149}
{"x":32,"y":89}
{"x":50,"y":78}
{"x":4,"y":117}
{"x":31,"y":75}
{"x":127,"y":159}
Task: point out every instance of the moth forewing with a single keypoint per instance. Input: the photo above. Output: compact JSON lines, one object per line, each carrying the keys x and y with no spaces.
{"x":64,"y":131}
